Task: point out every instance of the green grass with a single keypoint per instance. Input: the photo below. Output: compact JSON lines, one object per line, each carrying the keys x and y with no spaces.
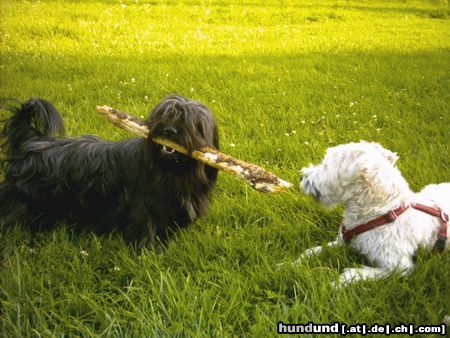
{"x":285,"y":80}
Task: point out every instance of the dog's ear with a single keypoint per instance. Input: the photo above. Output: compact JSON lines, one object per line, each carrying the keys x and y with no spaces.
{"x":387,"y":154}
{"x":372,"y":186}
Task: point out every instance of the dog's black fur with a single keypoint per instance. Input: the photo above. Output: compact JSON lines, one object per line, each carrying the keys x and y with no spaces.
{"x":137,"y":186}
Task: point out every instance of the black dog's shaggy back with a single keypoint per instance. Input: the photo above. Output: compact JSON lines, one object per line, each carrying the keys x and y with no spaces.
{"x":142,"y":189}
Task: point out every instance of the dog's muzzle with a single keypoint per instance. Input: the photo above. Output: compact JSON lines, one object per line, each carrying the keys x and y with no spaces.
{"x":170,"y":155}
{"x":168,"y":132}
{"x":167,"y":150}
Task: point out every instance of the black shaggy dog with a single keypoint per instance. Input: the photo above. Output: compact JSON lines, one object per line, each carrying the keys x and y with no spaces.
{"x":145,"y":190}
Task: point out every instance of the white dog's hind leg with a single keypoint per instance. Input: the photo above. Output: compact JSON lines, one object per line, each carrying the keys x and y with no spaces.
{"x":351,"y":275}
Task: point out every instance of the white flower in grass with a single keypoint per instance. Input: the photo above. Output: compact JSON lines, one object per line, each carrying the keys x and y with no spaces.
{"x":116,"y":268}
{"x":83,"y":253}
{"x":446,"y":319}
{"x":232,"y":145}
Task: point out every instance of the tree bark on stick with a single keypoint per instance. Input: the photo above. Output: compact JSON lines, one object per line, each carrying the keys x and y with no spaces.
{"x":256,"y":177}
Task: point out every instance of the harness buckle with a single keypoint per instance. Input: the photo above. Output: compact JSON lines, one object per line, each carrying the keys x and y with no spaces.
{"x":444,"y":216}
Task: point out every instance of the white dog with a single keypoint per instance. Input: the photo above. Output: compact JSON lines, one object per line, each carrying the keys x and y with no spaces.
{"x":383,"y":219}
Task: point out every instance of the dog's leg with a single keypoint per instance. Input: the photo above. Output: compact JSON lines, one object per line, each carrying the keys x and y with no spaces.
{"x":351,"y":275}
{"x":143,"y":235}
{"x":147,"y":239}
{"x":315,"y":251}
{"x":311,"y":252}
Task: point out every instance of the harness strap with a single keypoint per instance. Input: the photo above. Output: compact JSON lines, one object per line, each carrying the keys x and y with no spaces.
{"x":392,"y":215}
{"x":443,"y":221}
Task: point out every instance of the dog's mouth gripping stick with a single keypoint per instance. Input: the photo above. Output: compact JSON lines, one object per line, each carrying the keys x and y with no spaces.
{"x":256,"y":177}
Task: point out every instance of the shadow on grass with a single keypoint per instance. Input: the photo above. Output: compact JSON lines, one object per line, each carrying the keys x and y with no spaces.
{"x":427,"y":9}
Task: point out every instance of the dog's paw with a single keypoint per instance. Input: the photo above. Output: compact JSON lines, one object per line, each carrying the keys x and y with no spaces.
{"x":348,"y":276}
{"x":310,"y":252}
{"x":351,"y":275}
{"x":281,"y":265}
{"x":304,"y":256}
{"x":285,"y":264}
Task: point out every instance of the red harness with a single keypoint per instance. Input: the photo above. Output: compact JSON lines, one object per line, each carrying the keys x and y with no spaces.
{"x":392,"y":215}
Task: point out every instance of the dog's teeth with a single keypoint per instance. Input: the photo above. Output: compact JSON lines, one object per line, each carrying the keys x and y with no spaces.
{"x":168,"y":150}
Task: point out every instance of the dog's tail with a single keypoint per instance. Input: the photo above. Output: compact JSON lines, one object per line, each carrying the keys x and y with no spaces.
{"x":33,"y":119}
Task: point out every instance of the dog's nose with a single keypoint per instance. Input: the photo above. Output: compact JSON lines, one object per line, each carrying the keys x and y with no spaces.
{"x":169,"y":131}
{"x":316,"y":193}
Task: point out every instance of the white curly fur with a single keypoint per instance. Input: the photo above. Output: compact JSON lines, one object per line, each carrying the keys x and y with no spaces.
{"x":363,"y":178}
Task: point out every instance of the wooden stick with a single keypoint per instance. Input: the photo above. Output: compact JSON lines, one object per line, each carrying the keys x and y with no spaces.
{"x":256,"y":177}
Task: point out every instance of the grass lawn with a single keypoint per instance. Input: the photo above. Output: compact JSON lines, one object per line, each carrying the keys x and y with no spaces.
{"x":285,"y":80}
